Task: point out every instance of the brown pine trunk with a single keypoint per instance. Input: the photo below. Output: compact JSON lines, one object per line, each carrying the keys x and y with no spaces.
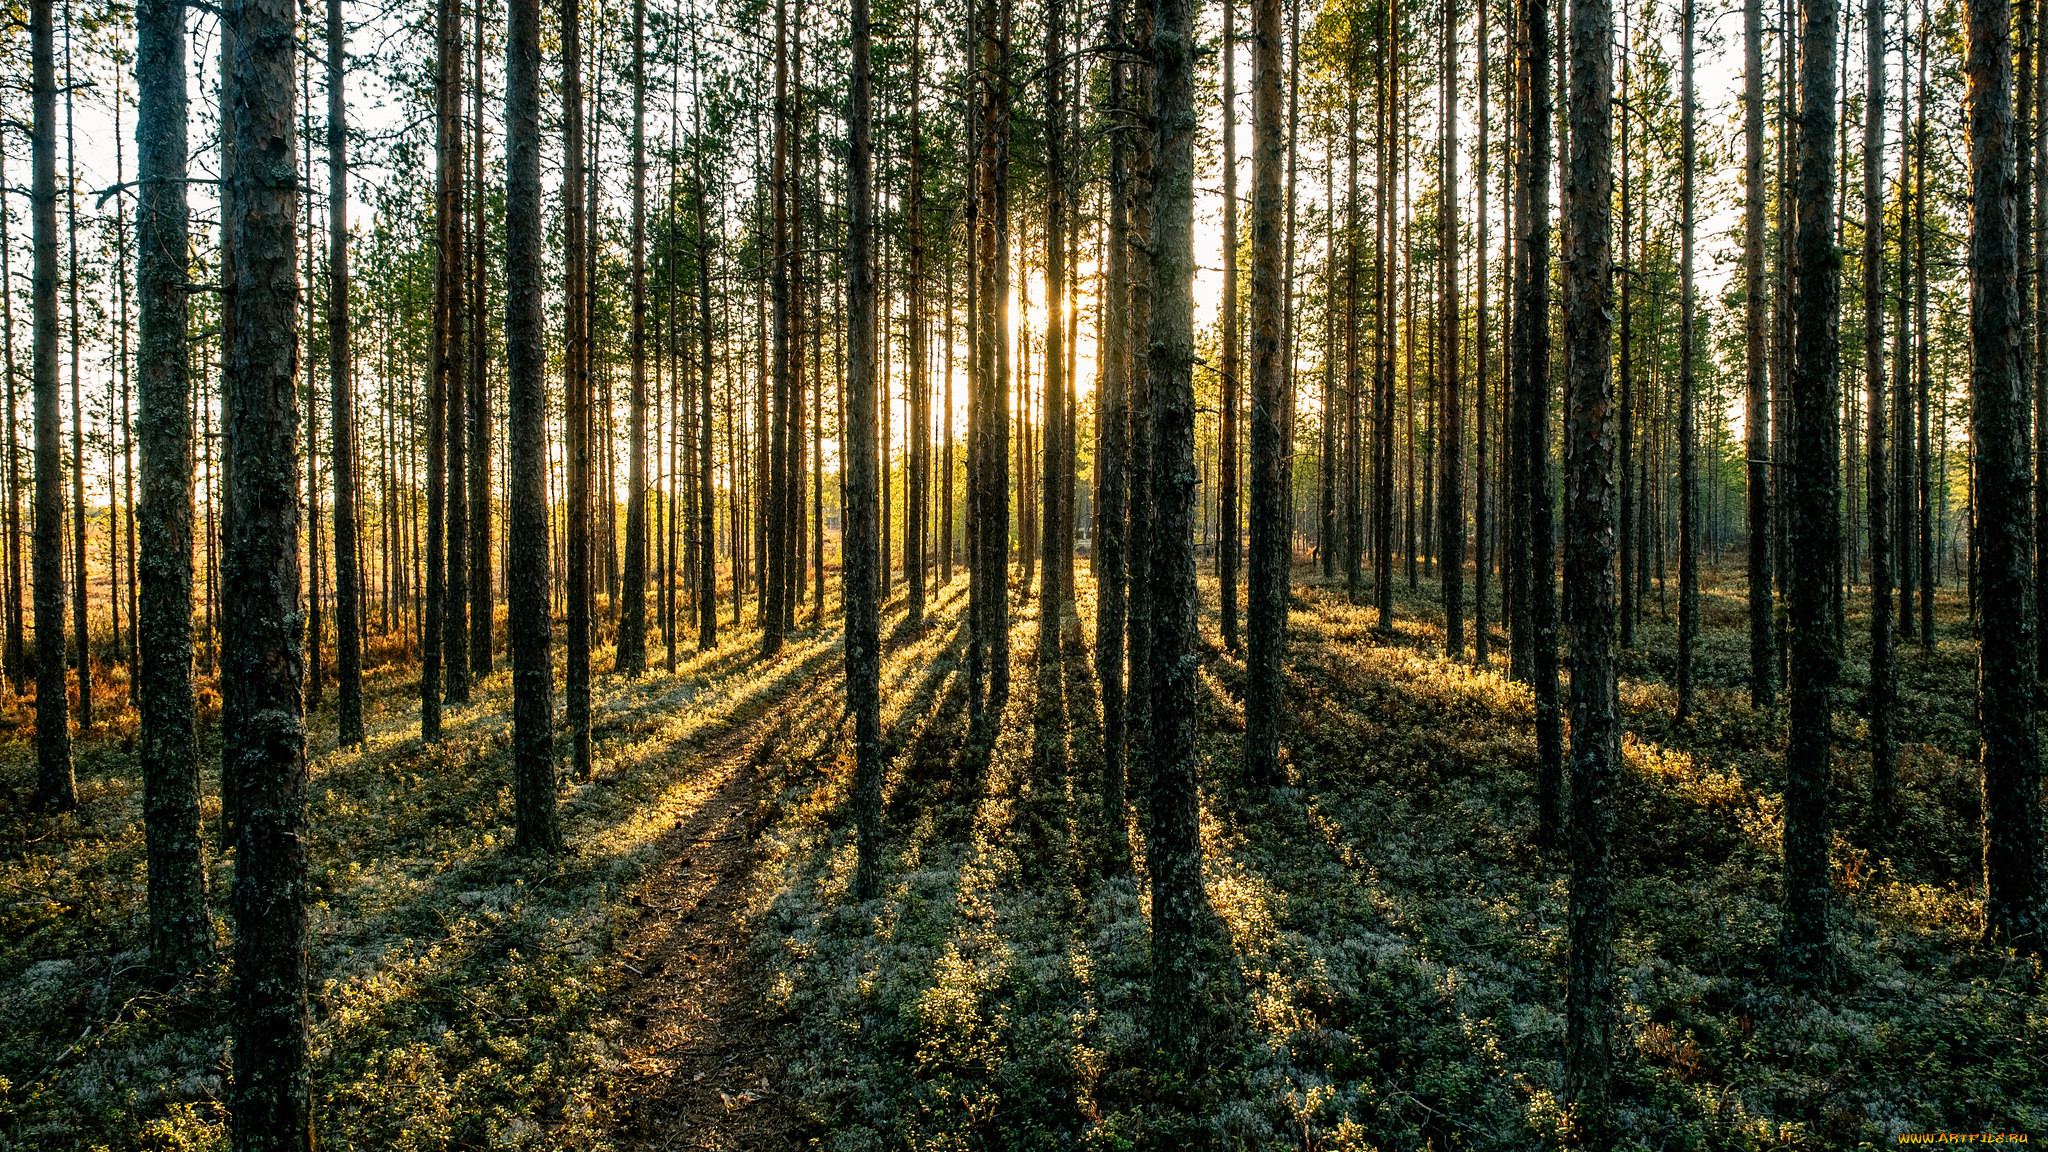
{"x":863,"y":631}
{"x":1814,"y":530}
{"x":348,"y":633}
{"x":1267,"y":574}
{"x":1757,"y":414}
{"x":576,"y":395}
{"x":181,"y":932}
{"x":1883,"y":745}
{"x":54,"y":788}
{"x":1532,"y":402}
{"x":1688,"y":494}
{"x":1999,"y":436}
{"x":478,"y":405}
{"x":1226,"y":470}
{"x":1173,"y":845}
{"x":80,"y":623}
{"x":1450,"y":426}
{"x":631,"y":649}
{"x":536,"y":828}
{"x":1589,"y":559}
{"x":1112,"y":461}
{"x":270,"y":1100}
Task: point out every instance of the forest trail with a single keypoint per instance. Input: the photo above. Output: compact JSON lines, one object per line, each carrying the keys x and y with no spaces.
{"x":698,"y":1059}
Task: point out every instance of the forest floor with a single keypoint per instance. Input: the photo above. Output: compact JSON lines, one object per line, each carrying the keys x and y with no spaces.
{"x":1386,"y":960}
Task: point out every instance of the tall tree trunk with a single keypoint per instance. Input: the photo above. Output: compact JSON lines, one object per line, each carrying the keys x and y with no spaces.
{"x":863,"y":619}
{"x":1589,"y":554}
{"x":774,"y":515}
{"x":1271,"y":521}
{"x":576,"y":394}
{"x":1923,"y":472}
{"x":1532,"y":401}
{"x":917,"y":485}
{"x":481,"y":624}
{"x":1354,"y":376}
{"x":81,"y":626}
{"x":1226,"y":466}
{"x":1883,"y":745}
{"x":1112,"y":416}
{"x":1999,"y":436}
{"x":707,"y":559}
{"x":1626,"y":400}
{"x":13,"y":662}
{"x":1756,"y":416}
{"x":991,"y":466}
{"x":1481,"y":413}
{"x":1051,"y":716}
{"x":348,"y":634}
{"x":631,"y":650}
{"x":455,"y":270}
{"x":180,"y":932}
{"x":1450,"y":426}
{"x":271,"y":1099}
{"x":1392,"y":74}
{"x":1173,"y":846}
{"x":536,"y":828}
{"x":1814,"y":529}
{"x":54,"y":788}
{"x":1688,"y":484}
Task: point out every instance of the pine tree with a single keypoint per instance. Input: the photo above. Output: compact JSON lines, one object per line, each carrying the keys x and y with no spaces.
{"x":1267,"y":574}
{"x":54,"y":788}
{"x":181,"y":932}
{"x":863,"y":631}
{"x":264,"y":751}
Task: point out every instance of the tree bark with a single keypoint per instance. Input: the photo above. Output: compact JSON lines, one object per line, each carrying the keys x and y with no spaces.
{"x":1271,"y":522}
{"x":576,"y":395}
{"x":348,"y":634}
{"x":1756,"y":415}
{"x":1226,"y":465}
{"x":863,"y":630}
{"x":527,"y":629}
{"x":1174,"y":847}
{"x":180,"y":931}
{"x":2000,"y":438}
{"x":1450,"y":426}
{"x":1112,"y":416}
{"x":481,"y":624}
{"x":264,"y":752}
{"x":1688,"y":483}
{"x":631,"y":648}
{"x":54,"y":787}
{"x":1589,"y":557}
{"x":1883,"y":687}
{"x":1532,"y":402}
{"x":1815,"y":532}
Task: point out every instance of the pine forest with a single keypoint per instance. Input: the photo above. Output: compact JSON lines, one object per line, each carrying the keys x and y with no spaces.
{"x":1023,"y":574}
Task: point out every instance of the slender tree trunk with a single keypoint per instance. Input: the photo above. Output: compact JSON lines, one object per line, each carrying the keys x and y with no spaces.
{"x":707,"y":560}
{"x":1688,"y":484}
{"x":481,"y":624}
{"x":1757,"y":414}
{"x":1814,"y":530}
{"x":1481,"y":413}
{"x":271,"y":1099}
{"x":15,"y":661}
{"x":1354,"y":375}
{"x":1051,"y":715}
{"x":1173,"y":846}
{"x":1450,"y":427}
{"x":576,"y":399}
{"x":1271,"y":530}
{"x":1589,"y":551}
{"x":536,"y":828}
{"x":917,"y":485}
{"x":1227,"y":544}
{"x":631,"y":651}
{"x":1532,"y":400}
{"x":1923,"y":470}
{"x":1112,"y":416}
{"x":1883,"y":745}
{"x":348,"y":635}
{"x":1392,"y":74}
{"x":1626,"y":400}
{"x":1999,"y":439}
{"x":774,"y":515}
{"x":54,"y":789}
{"x":863,"y":632}
{"x":455,"y":270}
{"x":81,"y":625}
{"x":181,"y":932}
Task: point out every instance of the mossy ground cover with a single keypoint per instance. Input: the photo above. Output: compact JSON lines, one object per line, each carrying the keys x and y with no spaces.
{"x":1385,"y":962}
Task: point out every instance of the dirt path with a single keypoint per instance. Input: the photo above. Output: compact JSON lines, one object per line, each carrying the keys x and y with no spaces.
{"x":701,"y":1064}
